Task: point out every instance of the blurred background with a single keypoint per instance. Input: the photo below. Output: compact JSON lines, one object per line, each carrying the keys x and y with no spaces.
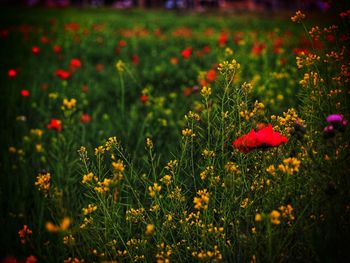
{"x":197,"y":5}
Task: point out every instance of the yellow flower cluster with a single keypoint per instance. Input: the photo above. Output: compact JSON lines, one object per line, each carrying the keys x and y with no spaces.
{"x":258,"y":109}
{"x":208,"y":255}
{"x":177,"y":195}
{"x":120,"y":66}
{"x":271,"y":170}
{"x":135,"y":215}
{"x":171,"y":165}
{"x":88,"y":178}
{"x":209,"y":171}
{"x":43,"y":181}
{"x":87,"y":221}
{"x":149,"y":143}
{"x":188,"y":133}
{"x":206,"y":91}
{"x":208,"y":154}
{"x":310,"y":78}
{"x":99,"y":150}
{"x":298,"y":17}
{"x":164,"y":253}
{"x":290,"y":166}
{"x":166,"y":179}
{"x":287,"y":212}
{"x":245,"y":203}
{"x":226,"y":66}
{"x":231,"y":168}
{"x":104,"y":186}
{"x":246,"y":87}
{"x":275,"y":217}
{"x":37,"y":132}
{"x":111,"y":142}
{"x":192,"y":116}
{"x":288,"y":120}
{"x":259,"y":183}
{"x":63,"y":226}
{"x":306,"y":60}
{"x":89,"y":209}
{"x":202,"y":201}
{"x":68,"y":240}
{"x":69,"y":104}
{"x":118,"y":165}
{"x":153,"y":190}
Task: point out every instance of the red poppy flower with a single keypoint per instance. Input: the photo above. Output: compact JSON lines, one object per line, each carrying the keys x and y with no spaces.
{"x":62,"y":74}
{"x":55,"y":124}
{"x":85,"y":118}
{"x":35,"y":50}
{"x":24,"y":93}
{"x":186,"y":53}
{"x":144,"y":98}
{"x":247,"y":142}
{"x":12,"y":73}
{"x":266,"y":137}
{"x":75,"y":63}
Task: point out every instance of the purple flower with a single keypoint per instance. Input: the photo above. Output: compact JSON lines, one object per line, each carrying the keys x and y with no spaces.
{"x":328,"y":129}
{"x":335,"y":118}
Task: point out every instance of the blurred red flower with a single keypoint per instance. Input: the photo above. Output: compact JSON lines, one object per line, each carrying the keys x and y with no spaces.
{"x":62,"y":74}
{"x":135,"y":59}
{"x":75,"y":63}
{"x":45,"y":40}
{"x":223,"y":39}
{"x":24,"y":93}
{"x":35,"y":50}
{"x":144,"y":99}
{"x":211,"y":75}
{"x":85,"y":88}
{"x":258,"y":48}
{"x":266,"y":137}
{"x":206,"y":49}
{"x":186,"y":53}
{"x":122,"y":43}
{"x":12,"y":73}
{"x":9,"y":259}
{"x":85,"y":118}
{"x":57,"y":49}
{"x":55,"y":124}
{"x":247,"y":142}
{"x":99,"y":67}
{"x":31,"y":259}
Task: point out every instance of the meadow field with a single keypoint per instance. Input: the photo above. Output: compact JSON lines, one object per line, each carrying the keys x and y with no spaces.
{"x":159,"y":136}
